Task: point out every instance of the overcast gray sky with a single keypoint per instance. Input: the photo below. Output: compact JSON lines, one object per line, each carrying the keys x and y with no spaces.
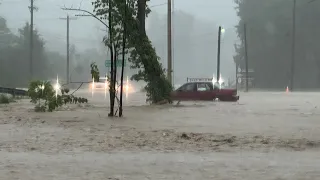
{"x":85,"y":32}
{"x":85,"y":29}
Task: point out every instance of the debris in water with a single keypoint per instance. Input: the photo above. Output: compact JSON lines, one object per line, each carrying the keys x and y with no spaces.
{"x":184,"y":136}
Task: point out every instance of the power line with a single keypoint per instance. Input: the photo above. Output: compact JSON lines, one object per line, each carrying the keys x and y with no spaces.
{"x":56,"y":36}
{"x":11,"y":1}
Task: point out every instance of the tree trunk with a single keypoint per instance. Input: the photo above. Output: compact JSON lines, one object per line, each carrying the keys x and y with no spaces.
{"x":142,"y":16}
{"x":111,"y":89}
{"x":111,"y":85}
{"x":114,"y":85}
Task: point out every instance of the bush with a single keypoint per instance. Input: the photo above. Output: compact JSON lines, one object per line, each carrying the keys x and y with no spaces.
{"x":4,"y":99}
{"x":44,"y":96}
{"x":64,"y":91}
{"x":41,"y":94}
{"x":40,"y":108}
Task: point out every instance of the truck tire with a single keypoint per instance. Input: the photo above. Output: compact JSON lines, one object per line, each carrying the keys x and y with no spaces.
{"x":228,"y":98}
{"x":222,"y":98}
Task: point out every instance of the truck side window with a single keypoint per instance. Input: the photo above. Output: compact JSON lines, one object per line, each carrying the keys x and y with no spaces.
{"x":187,"y":88}
{"x":203,"y":87}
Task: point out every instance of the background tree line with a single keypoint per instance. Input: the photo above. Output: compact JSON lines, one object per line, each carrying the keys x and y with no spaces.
{"x":15,"y":63}
{"x":194,"y":40}
{"x":47,"y":64}
{"x":269,"y":38}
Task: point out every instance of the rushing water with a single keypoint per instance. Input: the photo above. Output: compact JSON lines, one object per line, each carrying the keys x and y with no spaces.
{"x":25,"y":136}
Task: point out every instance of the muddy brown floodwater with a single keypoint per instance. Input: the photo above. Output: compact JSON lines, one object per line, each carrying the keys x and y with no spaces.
{"x":266,"y":136}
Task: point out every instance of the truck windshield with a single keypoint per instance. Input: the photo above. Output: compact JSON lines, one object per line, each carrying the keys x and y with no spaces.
{"x":219,"y":86}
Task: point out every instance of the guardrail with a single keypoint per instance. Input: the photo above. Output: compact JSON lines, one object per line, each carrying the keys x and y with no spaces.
{"x":13,"y":91}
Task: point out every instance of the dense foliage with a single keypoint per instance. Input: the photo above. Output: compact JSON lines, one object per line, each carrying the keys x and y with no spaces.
{"x":14,"y":52}
{"x":15,"y":63}
{"x":95,"y":74}
{"x":142,"y":55}
{"x":270,"y":37}
{"x":5,"y":99}
{"x":46,"y":98}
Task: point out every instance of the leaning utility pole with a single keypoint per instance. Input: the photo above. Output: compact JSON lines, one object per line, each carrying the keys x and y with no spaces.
{"x":293,"y":47}
{"x":31,"y":8}
{"x":169,"y":69}
{"x":246,"y":56}
{"x":68,"y":48}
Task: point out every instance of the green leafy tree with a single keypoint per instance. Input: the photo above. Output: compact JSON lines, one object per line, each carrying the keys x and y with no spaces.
{"x":9,"y":50}
{"x":270,"y":37}
{"x":142,"y":54}
{"x":95,"y":74}
{"x":40,"y":63}
{"x":14,"y":59}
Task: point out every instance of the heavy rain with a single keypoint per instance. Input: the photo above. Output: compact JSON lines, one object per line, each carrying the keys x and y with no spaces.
{"x":243,"y":76}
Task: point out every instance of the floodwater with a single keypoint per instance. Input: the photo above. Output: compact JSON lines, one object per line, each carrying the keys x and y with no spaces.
{"x":266,"y":135}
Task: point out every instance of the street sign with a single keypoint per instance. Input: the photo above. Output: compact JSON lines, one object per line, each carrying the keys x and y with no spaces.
{"x":119,"y":63}
{"x":244,"y":71}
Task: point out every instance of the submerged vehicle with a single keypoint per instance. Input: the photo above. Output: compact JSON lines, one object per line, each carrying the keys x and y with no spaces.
{"x":103,"y":84}
{"x":203,"y":89}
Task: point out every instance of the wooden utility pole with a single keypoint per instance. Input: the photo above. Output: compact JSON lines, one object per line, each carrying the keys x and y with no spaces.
{"x":237,"y":75}
{"x":68,"y":50}
{"x":169,"y":69}
{"x":173,"y":42}
{"x":218,"y":54}
{"x":246,"y":56}
{"x":68,"y":47}
{"x":31,"y":8}
{"x":293,"y":47}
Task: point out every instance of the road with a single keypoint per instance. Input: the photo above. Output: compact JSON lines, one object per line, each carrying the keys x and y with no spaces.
{"x":267,"y":136}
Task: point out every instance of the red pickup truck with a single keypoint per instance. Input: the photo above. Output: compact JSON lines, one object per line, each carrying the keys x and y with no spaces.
{"x":203,"y":91}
